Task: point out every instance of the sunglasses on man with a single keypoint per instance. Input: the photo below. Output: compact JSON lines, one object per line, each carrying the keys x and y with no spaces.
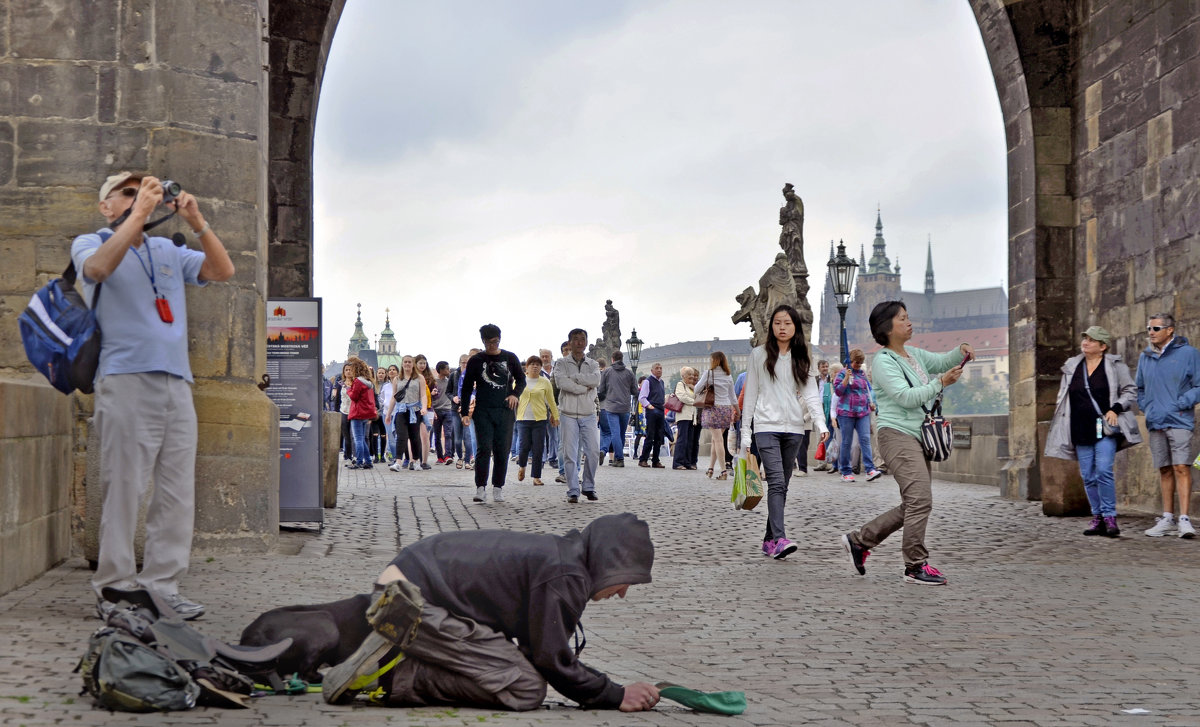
{"x":1156,"y":329}
{"x":125,"y":192}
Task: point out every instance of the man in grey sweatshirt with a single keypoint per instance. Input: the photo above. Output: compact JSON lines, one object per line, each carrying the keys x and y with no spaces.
{"x":617,"y":389}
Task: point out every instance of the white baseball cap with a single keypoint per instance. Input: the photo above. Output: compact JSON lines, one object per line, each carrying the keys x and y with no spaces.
{"x":115,"y":181}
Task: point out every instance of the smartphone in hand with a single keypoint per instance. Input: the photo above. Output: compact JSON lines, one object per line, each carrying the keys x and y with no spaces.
{"x":966,"y":358}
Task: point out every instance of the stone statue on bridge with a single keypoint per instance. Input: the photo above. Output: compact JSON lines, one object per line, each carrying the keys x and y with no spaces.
{"x":786,"y":281}
{"x":610,"y":335}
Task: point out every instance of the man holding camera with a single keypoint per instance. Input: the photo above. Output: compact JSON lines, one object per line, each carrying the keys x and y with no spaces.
{"x":143,"y":398}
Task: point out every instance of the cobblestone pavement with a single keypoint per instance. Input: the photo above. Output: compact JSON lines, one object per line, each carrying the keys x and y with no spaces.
{"x":1039,"y":625}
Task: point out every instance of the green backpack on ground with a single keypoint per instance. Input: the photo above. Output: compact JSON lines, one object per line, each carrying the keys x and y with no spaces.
{"x":121,"y":673}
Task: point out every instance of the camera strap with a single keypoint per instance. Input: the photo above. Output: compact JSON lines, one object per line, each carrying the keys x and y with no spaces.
{"x":148,"y":226}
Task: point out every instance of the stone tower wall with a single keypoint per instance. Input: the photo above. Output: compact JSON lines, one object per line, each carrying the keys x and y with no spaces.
{"x":1102,"y":119}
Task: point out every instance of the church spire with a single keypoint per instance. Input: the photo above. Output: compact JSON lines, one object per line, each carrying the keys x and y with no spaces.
{"x":929,"y":268}
{"x":359,"y":340}
{"x":862,"y":257}
{"x":831,"y":255}
{"x":879,"y":259}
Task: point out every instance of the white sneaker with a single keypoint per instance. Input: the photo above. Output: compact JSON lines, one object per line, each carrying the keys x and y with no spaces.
{"x":395,"y":466}
{"x":1185,"y":528}
{"x":1163,"y":525}
{"x":497,"y":494}
{"x":480,"y":494}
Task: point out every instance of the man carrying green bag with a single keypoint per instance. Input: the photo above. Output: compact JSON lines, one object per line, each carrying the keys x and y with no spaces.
{"x":747,"y":484}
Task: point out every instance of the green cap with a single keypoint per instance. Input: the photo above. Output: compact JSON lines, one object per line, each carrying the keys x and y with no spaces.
{"x":1098,"y":334}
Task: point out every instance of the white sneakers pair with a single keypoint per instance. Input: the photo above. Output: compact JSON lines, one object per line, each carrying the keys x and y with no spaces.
{"x":481,"y":494}
{"x":1167,"y":524}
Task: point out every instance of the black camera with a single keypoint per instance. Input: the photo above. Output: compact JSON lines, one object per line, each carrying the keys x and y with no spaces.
{"x":171,"y":190}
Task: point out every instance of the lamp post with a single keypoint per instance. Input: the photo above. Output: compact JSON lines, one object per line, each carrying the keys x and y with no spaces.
{"x":842,"y":269}
{"x":635,"y":351}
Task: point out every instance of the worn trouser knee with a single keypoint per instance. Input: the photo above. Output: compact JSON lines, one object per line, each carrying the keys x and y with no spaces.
{"x":418,"y":683}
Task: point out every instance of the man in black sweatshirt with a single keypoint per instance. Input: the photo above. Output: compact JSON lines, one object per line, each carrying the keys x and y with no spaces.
{"x":496,"y":377}
{"x":484,"y":588}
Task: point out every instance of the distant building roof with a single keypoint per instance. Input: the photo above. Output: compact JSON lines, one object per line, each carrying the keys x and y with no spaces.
{"x":692,"y":349}
{"x":956,"y":304}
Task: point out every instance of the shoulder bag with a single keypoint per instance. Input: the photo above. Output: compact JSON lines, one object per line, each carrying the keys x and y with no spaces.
{"x":1103,"y":429}
{"x":937,"y":435}
{"x":710,"y":395}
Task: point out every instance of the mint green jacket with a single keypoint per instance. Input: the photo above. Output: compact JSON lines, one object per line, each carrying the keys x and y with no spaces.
{"x":899,"y":405}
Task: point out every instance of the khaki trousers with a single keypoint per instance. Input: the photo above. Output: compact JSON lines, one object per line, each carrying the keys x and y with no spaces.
{"x":907,"y":463}
{"x":147,"y":427}
{"x":457,"y":661}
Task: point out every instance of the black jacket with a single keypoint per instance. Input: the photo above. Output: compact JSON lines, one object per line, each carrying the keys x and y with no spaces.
{"x":534,"y":587}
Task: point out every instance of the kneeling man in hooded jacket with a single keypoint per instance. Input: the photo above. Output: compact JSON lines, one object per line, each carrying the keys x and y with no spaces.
{"x":452,"y":604}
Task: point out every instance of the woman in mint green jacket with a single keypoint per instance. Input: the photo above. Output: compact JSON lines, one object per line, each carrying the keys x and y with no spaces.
{"x":905,"y":380}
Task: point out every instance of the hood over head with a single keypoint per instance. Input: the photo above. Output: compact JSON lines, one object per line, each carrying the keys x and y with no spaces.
{"x":618,"y":551}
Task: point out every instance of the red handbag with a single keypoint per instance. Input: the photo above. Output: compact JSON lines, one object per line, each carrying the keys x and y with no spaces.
{"x":820,"y":451}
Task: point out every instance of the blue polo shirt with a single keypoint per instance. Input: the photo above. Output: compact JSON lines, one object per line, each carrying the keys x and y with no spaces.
{"x":134,"y":339}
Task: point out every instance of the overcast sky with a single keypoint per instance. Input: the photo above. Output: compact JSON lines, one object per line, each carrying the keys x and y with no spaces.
{"x":519,"y":162}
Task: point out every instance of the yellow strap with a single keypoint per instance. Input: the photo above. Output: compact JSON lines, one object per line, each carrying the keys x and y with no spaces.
{"x":368,"y":678}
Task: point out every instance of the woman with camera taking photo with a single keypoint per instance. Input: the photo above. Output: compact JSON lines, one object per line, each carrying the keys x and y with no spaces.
{"x":907,"y":379}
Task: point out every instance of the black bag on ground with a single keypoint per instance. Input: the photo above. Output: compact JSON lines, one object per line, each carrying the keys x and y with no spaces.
{"x":123,"y":674}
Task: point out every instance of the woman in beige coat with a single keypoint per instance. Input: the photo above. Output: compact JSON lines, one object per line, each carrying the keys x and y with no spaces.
{"x":687,"y":439}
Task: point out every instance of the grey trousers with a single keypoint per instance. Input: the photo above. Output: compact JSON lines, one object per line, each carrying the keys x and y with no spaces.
{"x":457,"y":661}
{"x":907,"y":463}
{"x":581,"y":438}
{"x":147,"y":428}
{"x":777,"y":453}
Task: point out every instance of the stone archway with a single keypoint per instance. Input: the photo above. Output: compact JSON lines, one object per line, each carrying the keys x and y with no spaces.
{"x":301,"y":32}
{"x":1101,"y":103}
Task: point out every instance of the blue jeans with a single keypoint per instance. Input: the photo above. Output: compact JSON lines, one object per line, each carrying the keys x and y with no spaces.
{"x":848,"y":426}
{"x":1096,"y":467}
{"x":464,"y":438}
{"x":605,"y":434}
{"x":580,"y":436}
{"x":617,"y":424}
{"x":358,"y":430}
{"x":550,"y":451}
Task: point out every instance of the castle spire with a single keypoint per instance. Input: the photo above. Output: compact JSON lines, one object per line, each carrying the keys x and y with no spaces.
{"x":879,"y":259}
{"x":929,"y":267}
{"x":359,"y":340}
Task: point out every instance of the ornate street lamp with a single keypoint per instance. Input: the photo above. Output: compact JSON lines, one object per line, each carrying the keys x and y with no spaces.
{"x":635,"y":351}
{"x":843,"y":269}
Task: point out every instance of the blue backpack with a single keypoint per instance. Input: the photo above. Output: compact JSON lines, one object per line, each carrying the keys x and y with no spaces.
{"x":61,"y":334}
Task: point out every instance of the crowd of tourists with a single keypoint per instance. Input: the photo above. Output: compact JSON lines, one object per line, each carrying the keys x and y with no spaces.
{"x":573,"y":413}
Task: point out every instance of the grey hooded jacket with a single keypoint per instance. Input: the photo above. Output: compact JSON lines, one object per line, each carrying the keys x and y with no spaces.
{"x":1121,"y":391}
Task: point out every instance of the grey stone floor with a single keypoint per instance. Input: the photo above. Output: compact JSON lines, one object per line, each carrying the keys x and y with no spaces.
{"x":1039,"y":625}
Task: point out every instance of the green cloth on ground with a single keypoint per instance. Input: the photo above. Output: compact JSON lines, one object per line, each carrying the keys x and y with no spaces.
{"x":712,"y":702}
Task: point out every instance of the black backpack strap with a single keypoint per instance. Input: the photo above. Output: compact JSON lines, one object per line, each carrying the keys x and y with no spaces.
{"x":937,"y":402}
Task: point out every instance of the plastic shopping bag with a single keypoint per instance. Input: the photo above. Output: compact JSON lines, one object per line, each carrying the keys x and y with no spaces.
{"x":820,"y":453}
{"x":747,"y":484}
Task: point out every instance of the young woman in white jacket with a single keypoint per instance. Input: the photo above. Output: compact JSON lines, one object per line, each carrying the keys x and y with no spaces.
{"x":779,"y":387}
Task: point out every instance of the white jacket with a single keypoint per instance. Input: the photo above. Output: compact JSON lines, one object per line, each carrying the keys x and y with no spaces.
{"x":774,"y":405}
